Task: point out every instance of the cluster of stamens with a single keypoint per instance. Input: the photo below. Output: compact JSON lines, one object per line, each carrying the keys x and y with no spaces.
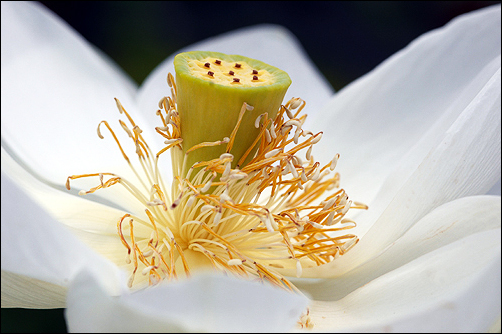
{"x":262,"y":220}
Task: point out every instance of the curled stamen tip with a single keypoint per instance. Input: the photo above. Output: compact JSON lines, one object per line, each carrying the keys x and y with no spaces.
{"x":82,"y":192}
{"x":226,"y":156}
{"x":316,"y":138}
{"x":170,"y":79}
{"x":99,"y":131}
{"x":147,"y":270}
{"x":119,"y":105}
{"x":296,"y":102}
{"x":334,"y":162}
{"x":258,"y":119}
{"x":226,"y":140}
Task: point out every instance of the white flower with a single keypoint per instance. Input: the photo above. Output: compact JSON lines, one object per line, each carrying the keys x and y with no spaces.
{"x":419,"y":139}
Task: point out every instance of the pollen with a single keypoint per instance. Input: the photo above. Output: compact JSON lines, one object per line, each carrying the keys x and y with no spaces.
{"x":266,"y":215}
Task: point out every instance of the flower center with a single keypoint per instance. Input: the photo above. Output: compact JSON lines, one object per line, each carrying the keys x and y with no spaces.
{"x":263,"y":211}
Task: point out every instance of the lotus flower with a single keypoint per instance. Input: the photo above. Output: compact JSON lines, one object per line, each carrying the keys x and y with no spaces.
{"x":419,"y":142}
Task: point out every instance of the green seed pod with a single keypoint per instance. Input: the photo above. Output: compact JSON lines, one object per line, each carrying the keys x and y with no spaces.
{"x":211,"y":88}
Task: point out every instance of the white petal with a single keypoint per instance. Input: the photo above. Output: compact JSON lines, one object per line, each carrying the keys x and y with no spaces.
{"x":465,"y":162}
{"x":269,"y":43}
{"x":203,"y":303}
{"x":416,"y":94}
{"x":35,"y":245}
{"x":25,"y":292}
{"x":454,"y":288}
{"x":93,"y":223}
{"x":56,"y":88}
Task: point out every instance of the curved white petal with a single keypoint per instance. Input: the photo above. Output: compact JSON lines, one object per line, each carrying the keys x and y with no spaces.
{"x":466,"y":161}
{"x":92,"y":222}
{"x":449,"y":223}
{"x":413,"y":97}
{"x":26,"y":292}
{"x":203,"y":303}
{"x":56,"y":88}
{"x":272,"y":44}
{"x":36,"y":245}
{"x":452,"y":289}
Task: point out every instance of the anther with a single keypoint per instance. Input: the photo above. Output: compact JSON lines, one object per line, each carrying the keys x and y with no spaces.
{"x":210,"y":73}
{"x":237,"y":79}
{"x":234,"y":262}
{"x":255,"y":72}
{"x":316,"y":139}
{"x":309,"y":153}
{"x":296,"y":103}
{"x":237,"y":65}
{"x":207,"y":65}
{"x":190,"y":201}
{"x":334,"y":161}
{"x":225,"y":197}
{"x":231,"y":72}
{"x":206,"y":186}
{"x":298,"y":268}
{"x":328,"y":204}
{"x":272,"y":131}
{"x":206,"y":207}
{"x":217,"y":62}
{"x":316,"y":174}
{"x":226,"y":156}
{"x":289,"y":113}
{"x":329,"y":220}
{"x":217,"y":218}
{"x":346,"y":207}
{"x":267,"y":136}
{"x":226,"y":172}
{"x":255,"y":77}
{"x":147,"y":270}
{"x":258,"y":119}
{"x":273,"y":153}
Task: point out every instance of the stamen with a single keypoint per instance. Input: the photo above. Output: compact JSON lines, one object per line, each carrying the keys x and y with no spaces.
{"x":224,"y":219}
{"x":333,"y":163}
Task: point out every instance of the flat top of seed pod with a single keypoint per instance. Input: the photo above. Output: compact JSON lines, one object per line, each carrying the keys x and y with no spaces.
{"x":229,"y":70}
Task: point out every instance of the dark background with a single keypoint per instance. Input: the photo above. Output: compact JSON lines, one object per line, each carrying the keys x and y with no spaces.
{"x":344,"y":39}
